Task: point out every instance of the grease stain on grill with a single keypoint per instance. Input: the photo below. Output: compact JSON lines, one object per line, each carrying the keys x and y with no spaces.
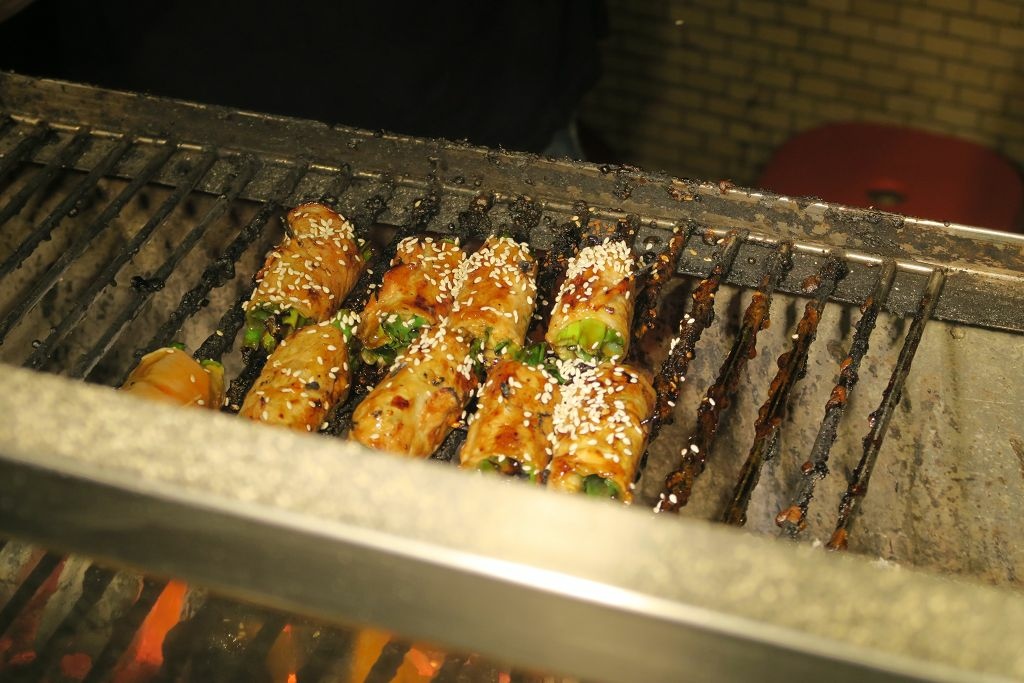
{"x":150,"y":285}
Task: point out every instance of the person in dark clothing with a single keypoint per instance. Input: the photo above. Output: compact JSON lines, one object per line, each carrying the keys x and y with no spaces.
{"x":496,"y":74}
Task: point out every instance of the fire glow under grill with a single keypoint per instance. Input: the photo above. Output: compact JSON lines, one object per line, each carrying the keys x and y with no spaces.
{"x":138,"y":223}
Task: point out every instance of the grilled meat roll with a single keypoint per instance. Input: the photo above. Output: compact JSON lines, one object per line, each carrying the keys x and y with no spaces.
{"x":172,"y":376}
{"x":496,"y":295}
{"x":594,"y":307}
{"x":416,"y":292}
{"x":600,"y":431}
{"x":421,"y":398}
{"x":305,"y":278}
{"x":305,"y":375}
{"x":510,"y":430}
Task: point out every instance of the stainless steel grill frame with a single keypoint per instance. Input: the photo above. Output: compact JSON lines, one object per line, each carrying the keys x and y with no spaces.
{"x":693,"y":589}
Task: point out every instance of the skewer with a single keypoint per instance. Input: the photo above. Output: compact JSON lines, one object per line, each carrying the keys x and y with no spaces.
{"x":661,"y":271}
{"x":679,"y":483}
{"x":670,"y":378}
{"x":792,"y":519}
{"x":792,"y":365}
{"x":879,"y":419}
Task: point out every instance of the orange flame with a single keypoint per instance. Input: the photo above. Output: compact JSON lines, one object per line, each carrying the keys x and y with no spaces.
{"x":146,"y":654}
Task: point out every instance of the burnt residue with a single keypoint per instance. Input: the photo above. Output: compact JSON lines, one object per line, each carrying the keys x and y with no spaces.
{"x":624,"y":184}
{"x":792,"y":520}
{"x":792,"y":366}
{"x":669,"y":380}
{"x":878,"y":421}
{"x":475,"y":221}
{"x":661,"y":271}
{"x":525,"y":214}
{"x":626,"y":228}
{"x":679,"y":483}
{"x":450,"y":447}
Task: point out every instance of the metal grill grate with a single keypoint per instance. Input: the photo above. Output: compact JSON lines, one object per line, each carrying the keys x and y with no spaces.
{"x":140,"y":222}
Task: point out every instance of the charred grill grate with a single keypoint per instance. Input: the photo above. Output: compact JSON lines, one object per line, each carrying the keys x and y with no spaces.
{"x":71,"y":191}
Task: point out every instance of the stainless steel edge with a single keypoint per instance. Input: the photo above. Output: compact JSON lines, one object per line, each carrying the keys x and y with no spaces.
{"x":530,"y":577}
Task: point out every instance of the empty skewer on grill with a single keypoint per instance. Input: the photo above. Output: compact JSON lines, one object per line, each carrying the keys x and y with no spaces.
{"x":305,"y":278}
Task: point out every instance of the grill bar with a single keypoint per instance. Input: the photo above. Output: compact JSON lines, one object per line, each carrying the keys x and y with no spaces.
{"x":64,"y":638}
{"x":42,"y":571}
{"x":879,"y":419}
{"x":792,"y":366}
{"x":223,"y":336}
{"x":68,"y":154}
{"x":984,"y":268}
{"x":53,"y":274}
{"x":44,"y":352}
{"x":252,"y":660}
{"x":144,"y":290}
{"x":66,"y":207}
{"x":25,"y":147}
{"x":388,"y":661}
{"x":124,"y":631}
{"x":679,"y":483}
{"x":222,"y":269}
{"x":791,"y":520}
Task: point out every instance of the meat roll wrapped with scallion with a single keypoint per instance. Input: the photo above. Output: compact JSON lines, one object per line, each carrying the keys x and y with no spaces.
{"x":305,"y":278}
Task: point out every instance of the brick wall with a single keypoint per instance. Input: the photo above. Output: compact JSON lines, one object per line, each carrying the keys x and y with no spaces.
{"x":709,"y":88}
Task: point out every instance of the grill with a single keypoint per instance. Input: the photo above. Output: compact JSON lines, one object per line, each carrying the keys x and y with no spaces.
{"x":128,"y":222}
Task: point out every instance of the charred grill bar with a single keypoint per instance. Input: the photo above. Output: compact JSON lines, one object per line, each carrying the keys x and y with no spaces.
{"x":85,"y":139}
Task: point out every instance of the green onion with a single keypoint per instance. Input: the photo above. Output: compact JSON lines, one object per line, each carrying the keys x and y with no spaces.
{"x":178,"y":345}
{"x":532,"y":355}
{"x":365,"y":250}
{"x":264,"y":327}
{"x":402,"y":331}
{"x":599,"y":487}
{"x":589,"y":338}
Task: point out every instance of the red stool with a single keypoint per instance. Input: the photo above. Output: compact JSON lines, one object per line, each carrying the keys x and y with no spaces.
{"x":902,"y":170}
